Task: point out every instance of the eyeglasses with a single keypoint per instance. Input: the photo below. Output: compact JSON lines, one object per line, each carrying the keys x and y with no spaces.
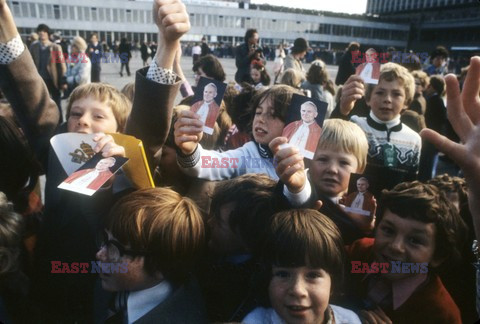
{"x":115,"y":249}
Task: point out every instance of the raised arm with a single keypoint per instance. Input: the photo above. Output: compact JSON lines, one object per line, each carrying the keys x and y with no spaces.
{"x":156,"y":86}
{"x":24,"y":88}
{"x":463,"y":110}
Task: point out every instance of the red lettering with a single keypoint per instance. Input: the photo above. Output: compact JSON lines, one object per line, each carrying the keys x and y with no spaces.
{"x":215,"y":163}
{"x":374,"y":268}
{"x":384,"y":266}
{"x":56,"y":266}
{"x":383,"y":58}
{"x":365,"y":268}
{"x":65,"y":268}
{"x":234,"y":162}
{"x":74,"y":267}
{"x":356,"y":267}
{"x":84,"y":266}
{"x":66,"y":58}
{"x":74,"y":58}
{"x":83,"y":58}
{"x":224,"y":162}
{"x":356,"y":57}
{"x":205,"y":160}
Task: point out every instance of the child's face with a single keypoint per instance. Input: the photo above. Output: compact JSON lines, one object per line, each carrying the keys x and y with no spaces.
{"x":265,"y":126}
{"x":405,"y":240}
{"x":387,"y":99}
{"x":300,"y":295}
{"x":330,"y":171}
{"x":89,"y":116}
{"x":135,"y":278}
{"x":255,"y":74}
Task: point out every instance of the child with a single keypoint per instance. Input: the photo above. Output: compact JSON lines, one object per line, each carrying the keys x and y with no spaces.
{"x":342,"y":149}
{"x":317,"y":79}
{"x":71,"y":220}
{"x":303,"y":256}
{"x":417,"y":225}
{"x":259,"y":76}
{"x":394,"y":148}
{"x":240,"y":211}
{"x":269,"y":109}
{"x":466,"y":126}
{"x":157,"y":236}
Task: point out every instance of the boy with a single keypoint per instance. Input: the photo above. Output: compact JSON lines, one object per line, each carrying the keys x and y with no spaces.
{"x":157,"y":235}
{"x":394,"y":148}
{"x":342,"y":150}
{"x":240,"y":211}
{"x":418,"y":226}
{"x":71,"y":221}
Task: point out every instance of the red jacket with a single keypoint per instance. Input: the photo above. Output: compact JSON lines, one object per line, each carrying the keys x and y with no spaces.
{"x":368,"y":202}
{"x":213,"y":110}
{"x":431,"y":303}
{"x":313,"y":136}
{"x":96,"y":183}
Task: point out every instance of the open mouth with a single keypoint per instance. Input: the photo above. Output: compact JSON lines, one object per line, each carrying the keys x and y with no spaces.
{"x":260,"y":130}
{"x":296,"y":309}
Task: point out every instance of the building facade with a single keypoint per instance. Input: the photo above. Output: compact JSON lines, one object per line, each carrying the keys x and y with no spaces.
{"x":454,"y":24}
{"x":219,"y":21}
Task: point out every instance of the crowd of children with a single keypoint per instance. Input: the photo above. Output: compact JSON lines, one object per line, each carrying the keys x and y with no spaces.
{"x":239,"y":227}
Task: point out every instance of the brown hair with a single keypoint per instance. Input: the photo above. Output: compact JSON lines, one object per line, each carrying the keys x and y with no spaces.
{"x":391,"y":72}
{"x":255,"y":202}
{"x":281,"y":96}
{"x":105,"y":93}
{"x":211,"y":66}
{"x":161,"y":222}
{"x":317,"y":74}
{"x":11,"y":234}
{"x":291,"y":77}
{"x":427,"y":204}
{"x":304,"y":237}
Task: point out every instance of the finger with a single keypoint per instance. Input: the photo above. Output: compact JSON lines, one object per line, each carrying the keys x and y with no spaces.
{"x":175,"y":18}
{"x":455,"y":151}
{"x":273,"y":145}
{"x":182,"y":122}
{"x":460,"y":121}
{"x":178,"y":28}
{"x":116,"y":150}
{"x":286,"y":153}
{"x":290,"y":171}
{"x":318,"y":204}
{"x":188,"y":114}
{"x":102,"y":141}
{"x":382,"y":316}
{"x":186,"y":139}
{"x":471,"y":89}
{"x":290,"y":162}
{"x":367,"y":317}
{"x":189,"y":130}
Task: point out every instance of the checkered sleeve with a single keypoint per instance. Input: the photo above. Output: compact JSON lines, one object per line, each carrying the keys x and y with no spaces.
{"x":159,"y":74}
{"x":188,"y":161}
{"x":11,"y":50}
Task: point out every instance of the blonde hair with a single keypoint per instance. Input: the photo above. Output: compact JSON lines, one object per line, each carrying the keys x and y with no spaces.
{"x":129,"y":91}
{"x":167,"y":226}
{"x":104,"y":93}
{"x":344,"y":136}
{"x":391,"y":72}
{"x":422,"y":77}
{"x":292,"y":78}
{"x":80,"y":44}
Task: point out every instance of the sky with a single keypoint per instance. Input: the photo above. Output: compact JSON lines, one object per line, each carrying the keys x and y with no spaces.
{"x":346,"y":6}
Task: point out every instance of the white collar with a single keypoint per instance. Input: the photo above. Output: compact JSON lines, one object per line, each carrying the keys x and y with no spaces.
{"x":389,"y":124}
{"x":141,"y":302}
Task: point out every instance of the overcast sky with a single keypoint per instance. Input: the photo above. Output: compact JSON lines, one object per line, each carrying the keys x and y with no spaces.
{"x":347,"y":6}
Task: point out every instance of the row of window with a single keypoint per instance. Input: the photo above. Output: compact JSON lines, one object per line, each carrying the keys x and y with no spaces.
{"x":115,"y":15}
{"x":380,"y":6}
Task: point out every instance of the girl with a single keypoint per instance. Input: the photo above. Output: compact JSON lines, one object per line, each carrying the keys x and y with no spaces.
{"x":316,"y":83}
{"x":303,"y":256}
{"x":259,"y":75}
{"x":269,"y":112}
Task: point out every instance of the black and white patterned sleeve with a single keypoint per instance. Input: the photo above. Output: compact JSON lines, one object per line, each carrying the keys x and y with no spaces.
{"x":159,"y":74}
{"x":11,"y":50}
